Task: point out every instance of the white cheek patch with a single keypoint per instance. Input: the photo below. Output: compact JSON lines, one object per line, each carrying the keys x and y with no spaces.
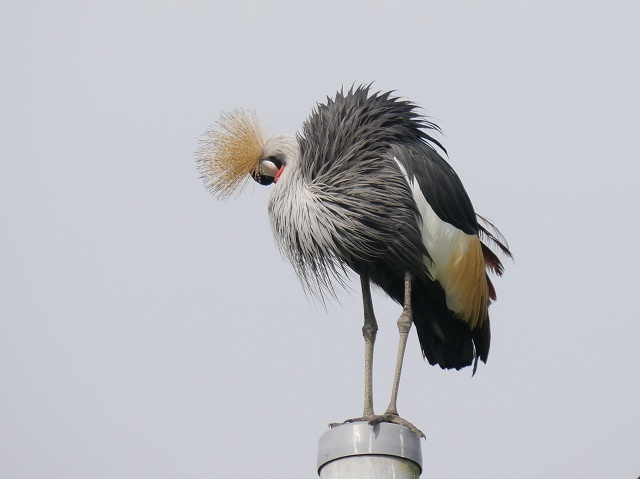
{"x":268,"y":168}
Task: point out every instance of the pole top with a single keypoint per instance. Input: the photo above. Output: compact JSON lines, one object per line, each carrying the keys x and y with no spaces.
{"x":359,"y":438}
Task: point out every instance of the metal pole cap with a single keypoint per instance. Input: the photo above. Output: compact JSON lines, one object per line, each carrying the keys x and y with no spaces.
{"x":360,"y":438}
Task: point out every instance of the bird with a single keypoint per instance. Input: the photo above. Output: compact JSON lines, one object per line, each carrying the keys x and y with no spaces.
{"x":364,"y":187}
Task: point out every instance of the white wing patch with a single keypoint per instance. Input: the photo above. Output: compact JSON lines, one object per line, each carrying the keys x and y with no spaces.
{"x":458,"y":263}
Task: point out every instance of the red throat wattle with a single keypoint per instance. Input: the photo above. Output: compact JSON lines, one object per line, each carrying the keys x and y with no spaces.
{"x":275,"y":180}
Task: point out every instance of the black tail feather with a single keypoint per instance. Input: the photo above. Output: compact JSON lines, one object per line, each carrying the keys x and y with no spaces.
{"x":445,"y":339}
{"x":494,"y":238}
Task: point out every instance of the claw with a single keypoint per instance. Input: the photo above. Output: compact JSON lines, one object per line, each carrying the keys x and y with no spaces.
{"x":353,"y":419}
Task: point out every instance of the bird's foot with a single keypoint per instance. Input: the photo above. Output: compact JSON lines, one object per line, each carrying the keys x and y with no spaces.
{"x":378,"y":418}
{"x":395,"y":419}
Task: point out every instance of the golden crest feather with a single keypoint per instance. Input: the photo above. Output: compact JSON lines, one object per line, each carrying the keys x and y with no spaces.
{"x":230,"y":151}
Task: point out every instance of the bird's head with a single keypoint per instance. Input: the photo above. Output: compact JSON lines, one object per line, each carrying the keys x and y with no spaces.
{"x":279,"y":152}
{"x":236,"y":149}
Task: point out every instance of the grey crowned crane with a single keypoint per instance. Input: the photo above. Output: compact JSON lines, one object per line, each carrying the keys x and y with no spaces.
{"x":364,"y":187}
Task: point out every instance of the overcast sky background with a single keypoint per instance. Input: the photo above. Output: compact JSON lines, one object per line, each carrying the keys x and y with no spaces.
{"x":148,"y":330}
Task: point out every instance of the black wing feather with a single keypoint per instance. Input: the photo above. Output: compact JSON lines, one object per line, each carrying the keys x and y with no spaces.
{"x":439,"y":184}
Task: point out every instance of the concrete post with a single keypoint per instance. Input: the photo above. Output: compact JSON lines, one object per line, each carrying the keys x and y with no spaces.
{"x":360,"y":451}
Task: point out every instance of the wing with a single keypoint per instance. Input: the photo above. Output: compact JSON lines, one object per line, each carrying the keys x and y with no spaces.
{"x":449,"y":230}
{"x":439,"y":184}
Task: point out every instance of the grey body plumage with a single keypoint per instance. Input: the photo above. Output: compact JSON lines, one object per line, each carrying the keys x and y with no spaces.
{"x":348,"y":203}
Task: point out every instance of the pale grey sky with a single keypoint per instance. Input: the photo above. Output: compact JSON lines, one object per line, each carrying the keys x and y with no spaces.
{"x":151,"y":331}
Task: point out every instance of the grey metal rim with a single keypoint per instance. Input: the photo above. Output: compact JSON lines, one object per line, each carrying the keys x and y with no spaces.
{"x":359,"y":438}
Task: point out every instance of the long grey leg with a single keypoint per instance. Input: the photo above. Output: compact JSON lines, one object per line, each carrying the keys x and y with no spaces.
{"x":369,"y":331}
{"x":404,"y":325}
